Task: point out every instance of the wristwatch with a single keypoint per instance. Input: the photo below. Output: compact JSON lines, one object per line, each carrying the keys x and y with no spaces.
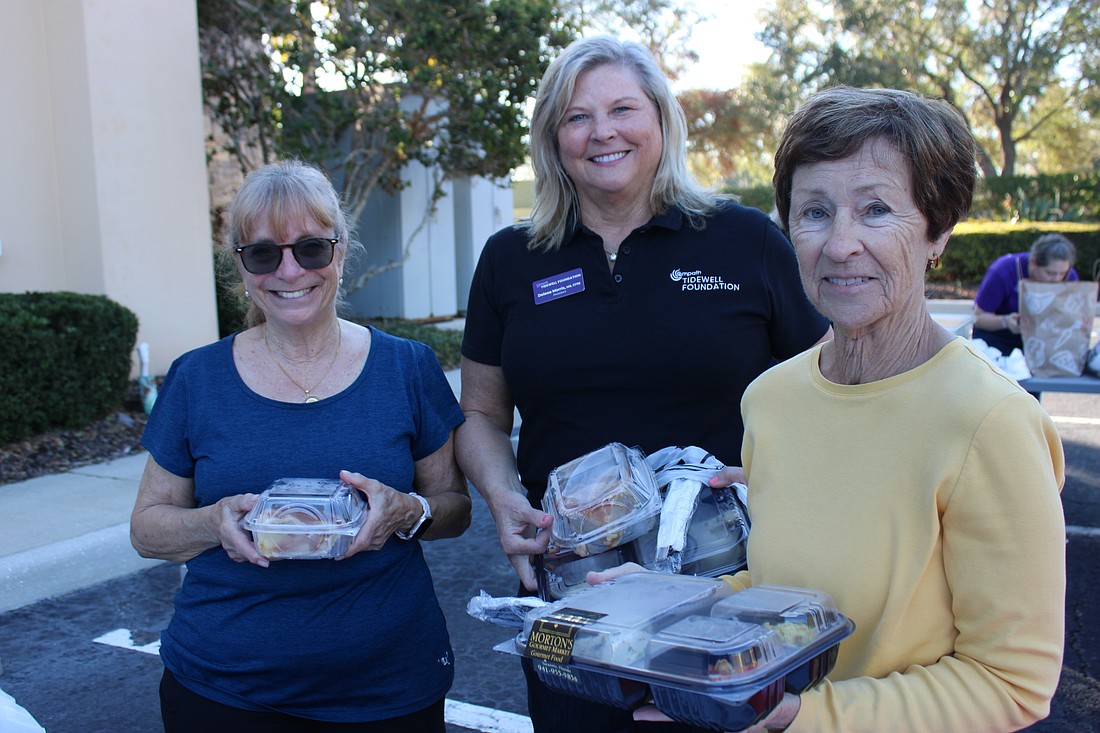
{"x":422,"y":524}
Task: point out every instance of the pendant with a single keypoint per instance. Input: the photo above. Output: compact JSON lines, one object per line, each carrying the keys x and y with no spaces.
{"x":311,"y":398}
{"x":612,"y":256}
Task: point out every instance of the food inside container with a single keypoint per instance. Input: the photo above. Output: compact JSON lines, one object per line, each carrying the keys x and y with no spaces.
{"x":715,"y":546}
{"x":305,"y":519}
{"x":612,"y":622}
{"x":707,"y":657}
{"x":805,"y":621}
{"x":711,"y":648}
{"x":797,"y":615}
{"x":601,"y":500}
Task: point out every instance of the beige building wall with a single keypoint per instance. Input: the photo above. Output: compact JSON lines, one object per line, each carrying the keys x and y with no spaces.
{"x":103,"y":184}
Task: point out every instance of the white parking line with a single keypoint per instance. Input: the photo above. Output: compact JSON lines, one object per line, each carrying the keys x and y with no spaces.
{"x":486,"y":720}
{"x":461,"y":714}
{"x":124,"y":640}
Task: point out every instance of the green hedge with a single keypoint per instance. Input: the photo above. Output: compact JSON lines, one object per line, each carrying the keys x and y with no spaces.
{"x":65,"y":360}
{"x":1063,"y":197}
{"x":976,"y":244}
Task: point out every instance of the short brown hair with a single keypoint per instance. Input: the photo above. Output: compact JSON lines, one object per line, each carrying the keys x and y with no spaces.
{"x":929,"y":133}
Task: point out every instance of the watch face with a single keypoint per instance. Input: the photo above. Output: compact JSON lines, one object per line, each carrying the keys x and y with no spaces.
{"x":421,"y":528}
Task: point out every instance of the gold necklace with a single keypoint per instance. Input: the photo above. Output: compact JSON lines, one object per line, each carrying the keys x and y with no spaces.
{"x":310,"y":396}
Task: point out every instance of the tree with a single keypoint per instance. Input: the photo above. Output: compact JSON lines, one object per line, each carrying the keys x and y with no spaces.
{"x":994,"y":59}
{"x":364,"y":88}
{"x":662,"y":26}
{"x":715,"y":132}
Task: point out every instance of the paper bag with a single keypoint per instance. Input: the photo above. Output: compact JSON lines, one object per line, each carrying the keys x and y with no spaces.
{"x":1056,"y":324}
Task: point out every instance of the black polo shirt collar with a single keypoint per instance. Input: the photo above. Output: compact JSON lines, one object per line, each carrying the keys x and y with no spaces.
{"x":672,"y":219}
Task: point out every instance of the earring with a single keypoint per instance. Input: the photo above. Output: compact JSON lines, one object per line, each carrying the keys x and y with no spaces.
{"x":247,"y":294}
{"x":341,"y":281}
{"x":934,"y":263}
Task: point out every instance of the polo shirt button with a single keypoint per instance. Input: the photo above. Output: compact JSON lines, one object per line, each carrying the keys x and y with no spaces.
{"x":618,"y":278}
{"x":626,"y":250}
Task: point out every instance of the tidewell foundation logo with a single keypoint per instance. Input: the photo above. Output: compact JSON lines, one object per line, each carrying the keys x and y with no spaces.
{"x":698,"y":281}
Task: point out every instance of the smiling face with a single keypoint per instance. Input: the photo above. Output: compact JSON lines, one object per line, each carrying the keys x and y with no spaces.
{"x":293,"y":296}
{"x":862,"y":243}
{"x":610,"y":138}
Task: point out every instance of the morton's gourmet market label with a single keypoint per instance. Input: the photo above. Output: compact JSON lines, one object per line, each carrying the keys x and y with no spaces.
{"x":551,"y":638}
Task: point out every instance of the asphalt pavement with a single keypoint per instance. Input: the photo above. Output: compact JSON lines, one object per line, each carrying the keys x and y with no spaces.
{"x":65,"y":549}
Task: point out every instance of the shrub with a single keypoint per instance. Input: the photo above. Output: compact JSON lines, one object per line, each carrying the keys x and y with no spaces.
{"x":65,"y":360}
{"x":974,"y":245}
{"x":445,"y":342}
{"x":759,"y":197}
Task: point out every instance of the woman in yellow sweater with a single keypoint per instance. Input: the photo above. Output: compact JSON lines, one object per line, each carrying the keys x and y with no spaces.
{"x":894,"y":467}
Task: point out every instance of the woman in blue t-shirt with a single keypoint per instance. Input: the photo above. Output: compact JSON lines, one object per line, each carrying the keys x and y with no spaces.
{"x":997,"y":303}
{"x":355,"y":643}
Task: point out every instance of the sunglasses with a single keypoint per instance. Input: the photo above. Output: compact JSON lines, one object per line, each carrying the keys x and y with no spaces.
{"x":263,"y":258}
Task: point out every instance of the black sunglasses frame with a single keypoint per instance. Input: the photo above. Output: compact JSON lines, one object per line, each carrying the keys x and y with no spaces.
{"x":295,"y":249}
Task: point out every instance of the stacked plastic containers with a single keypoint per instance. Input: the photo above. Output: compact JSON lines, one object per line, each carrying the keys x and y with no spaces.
{"x":607,"y":506}
{"x":305,"y":519}
{"x":707,"y":657}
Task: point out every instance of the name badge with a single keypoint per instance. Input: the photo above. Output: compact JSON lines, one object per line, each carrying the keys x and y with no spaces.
{"x":558,"y":286}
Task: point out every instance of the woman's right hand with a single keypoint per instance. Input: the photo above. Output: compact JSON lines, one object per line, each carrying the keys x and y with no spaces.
{"x":524,"y":531}
{"x":236,"y":542}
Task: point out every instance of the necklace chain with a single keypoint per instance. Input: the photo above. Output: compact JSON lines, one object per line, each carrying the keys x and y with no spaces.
{"x":310,"y":396}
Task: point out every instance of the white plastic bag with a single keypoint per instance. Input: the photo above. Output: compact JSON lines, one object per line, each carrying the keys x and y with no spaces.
{"x":15,"y":719}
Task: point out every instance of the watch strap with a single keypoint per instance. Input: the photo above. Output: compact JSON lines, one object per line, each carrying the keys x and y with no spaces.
{"x":422,"y":524}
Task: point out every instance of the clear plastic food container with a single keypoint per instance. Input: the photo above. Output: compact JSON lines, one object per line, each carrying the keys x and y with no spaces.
{"x":602,"y":500}
{"x":716,"y":538}
{"x":805,"y":621}
{"x":563,"y":573}
{"x":715,"y":546}
{"x":305,"y":519}
{"x":609,"y":624}
{"x":708,"y":658}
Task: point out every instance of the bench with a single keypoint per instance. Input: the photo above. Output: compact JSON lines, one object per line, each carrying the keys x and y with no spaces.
{"x":1083,"y":384}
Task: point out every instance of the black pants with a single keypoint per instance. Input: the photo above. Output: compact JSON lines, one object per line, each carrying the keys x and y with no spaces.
{"x":183,"y":711}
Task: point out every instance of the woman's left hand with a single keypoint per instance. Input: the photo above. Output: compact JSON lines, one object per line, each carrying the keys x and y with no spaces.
{"x":390,"y":510}
{"x":778,"y":719}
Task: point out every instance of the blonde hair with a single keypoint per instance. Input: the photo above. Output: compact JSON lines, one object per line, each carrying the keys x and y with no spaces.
{"x":276,"y":195}
{"x":556,"y":207}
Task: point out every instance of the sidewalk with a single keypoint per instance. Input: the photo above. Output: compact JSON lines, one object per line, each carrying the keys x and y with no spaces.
{"x":71,"y":530}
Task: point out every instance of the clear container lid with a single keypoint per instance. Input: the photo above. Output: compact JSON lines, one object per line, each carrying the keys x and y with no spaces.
{"x":710,"y":648}
{"x":305,"y":517}
{"x":798,"y":616}
{"x":602,"y":499}
{"x":612,"y":623}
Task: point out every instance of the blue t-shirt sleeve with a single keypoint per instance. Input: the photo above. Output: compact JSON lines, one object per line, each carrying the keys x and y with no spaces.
{"x":166,"y":433}
{"x":439,"y":412}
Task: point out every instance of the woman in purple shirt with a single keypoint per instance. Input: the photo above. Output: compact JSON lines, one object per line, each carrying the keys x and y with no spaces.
{"x":997,"y":304}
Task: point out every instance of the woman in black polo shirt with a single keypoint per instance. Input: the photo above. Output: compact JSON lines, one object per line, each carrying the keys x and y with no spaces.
{"x":634,"y":306}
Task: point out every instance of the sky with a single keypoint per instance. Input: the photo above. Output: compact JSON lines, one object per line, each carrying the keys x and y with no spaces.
{"x":725,"y":43}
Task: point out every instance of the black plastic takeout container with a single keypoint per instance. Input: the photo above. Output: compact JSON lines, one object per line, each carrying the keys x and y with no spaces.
{"x":707,"y":656}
